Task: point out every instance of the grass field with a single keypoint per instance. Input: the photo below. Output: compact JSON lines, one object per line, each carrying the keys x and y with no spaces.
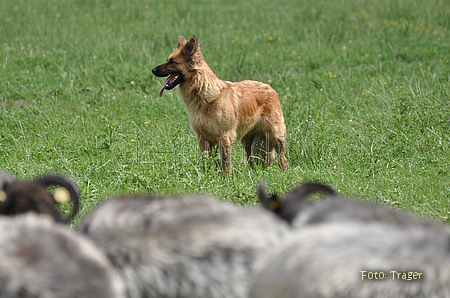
{"x":372,"y":77}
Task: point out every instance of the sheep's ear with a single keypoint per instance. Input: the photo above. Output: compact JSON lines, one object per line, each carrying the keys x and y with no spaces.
{"x":65,"y":192}
{"x":61,"y":195}
{"x":271,"y":203}
{"x":262,"y":195}
{"x":3,"y":196}
{"x":5,"y":180}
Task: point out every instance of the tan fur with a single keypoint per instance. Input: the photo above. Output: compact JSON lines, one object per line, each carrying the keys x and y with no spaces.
{"x":222,"y":113}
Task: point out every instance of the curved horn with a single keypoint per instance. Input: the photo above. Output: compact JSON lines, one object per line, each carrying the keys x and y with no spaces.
{"x":49,"y":180}
{"x":309,"y":188}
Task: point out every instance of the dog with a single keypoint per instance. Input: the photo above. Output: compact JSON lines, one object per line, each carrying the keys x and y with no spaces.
{"x":222,"y":112}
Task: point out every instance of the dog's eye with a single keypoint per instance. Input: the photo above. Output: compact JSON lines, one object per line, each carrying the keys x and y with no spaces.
{"x":171,"y":61}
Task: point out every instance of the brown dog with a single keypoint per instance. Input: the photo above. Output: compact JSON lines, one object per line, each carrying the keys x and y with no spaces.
{"x":222,"y":112}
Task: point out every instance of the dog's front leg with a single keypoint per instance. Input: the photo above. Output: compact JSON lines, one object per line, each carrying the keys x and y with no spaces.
{"x":225,"y":155}
{"x":205,"y":147}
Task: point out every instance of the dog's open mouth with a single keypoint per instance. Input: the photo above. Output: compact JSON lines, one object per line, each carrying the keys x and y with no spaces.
{"x":171,"y":82}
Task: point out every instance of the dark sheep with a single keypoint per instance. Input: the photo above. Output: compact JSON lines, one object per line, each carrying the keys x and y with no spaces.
{"x":40,"y":258}
{"x":187,"y":246}
{"x":17,"y":197}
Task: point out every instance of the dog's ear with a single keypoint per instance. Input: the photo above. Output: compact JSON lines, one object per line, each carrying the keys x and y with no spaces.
{"x":181,"y":41}
{"x":193,"y":39}
{"x":190,"y":48}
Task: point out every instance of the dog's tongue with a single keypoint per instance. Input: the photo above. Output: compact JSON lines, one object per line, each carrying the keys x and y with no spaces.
{"x":166,"y":82}
{"x":160,"y":92}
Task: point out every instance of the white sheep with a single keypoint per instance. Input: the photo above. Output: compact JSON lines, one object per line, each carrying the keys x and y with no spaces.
{"x":341,"y":210}
{"x":357,"y":260}
{"x":39,"y":258}
{"x":187,"y":246}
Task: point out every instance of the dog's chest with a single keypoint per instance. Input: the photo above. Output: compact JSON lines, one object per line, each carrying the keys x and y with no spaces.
{"x":210,"y":122}
{"x":211,"y":119}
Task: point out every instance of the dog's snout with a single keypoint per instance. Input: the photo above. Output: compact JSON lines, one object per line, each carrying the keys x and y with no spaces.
{"x":159,"y":71}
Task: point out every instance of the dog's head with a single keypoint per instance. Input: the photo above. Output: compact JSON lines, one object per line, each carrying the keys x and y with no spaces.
{"x":181,"y":64}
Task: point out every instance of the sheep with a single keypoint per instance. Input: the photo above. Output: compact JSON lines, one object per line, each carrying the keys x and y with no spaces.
{"x":17,"y":197}
{"x":182,"y":246}
{"x":41,"y":258}
{"x":347,"y":259}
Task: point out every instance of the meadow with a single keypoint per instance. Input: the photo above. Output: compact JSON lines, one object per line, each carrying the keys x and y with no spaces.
{"x":364,"y":86}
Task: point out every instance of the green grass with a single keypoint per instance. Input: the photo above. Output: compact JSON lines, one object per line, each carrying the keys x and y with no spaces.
{"x":77,"y":95}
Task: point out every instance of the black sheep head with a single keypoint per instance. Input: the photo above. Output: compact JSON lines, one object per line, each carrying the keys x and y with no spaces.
{"x":17,"y":197}
{"x":294,"y":202}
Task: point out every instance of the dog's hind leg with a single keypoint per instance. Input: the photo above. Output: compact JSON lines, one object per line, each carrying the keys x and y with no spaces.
{"x":277,"y":138}
{"x":263,"y":149}
{"x":247,"y":142}
{"x":281,"y":150}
